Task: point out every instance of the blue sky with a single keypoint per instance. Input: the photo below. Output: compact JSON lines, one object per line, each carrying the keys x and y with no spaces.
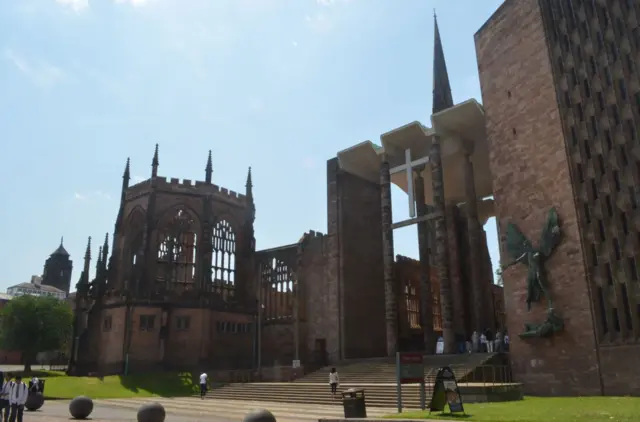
{"x":279,"y":85}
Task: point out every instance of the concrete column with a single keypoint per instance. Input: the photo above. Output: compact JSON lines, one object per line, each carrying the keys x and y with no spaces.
{"x":426,"y":295}
{"x":390,"y":304}
{"x":442,"y":247}
{"x":476,"y":271}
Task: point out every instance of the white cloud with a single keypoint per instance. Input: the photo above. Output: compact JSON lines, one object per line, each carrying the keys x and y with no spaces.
{"x":40,"y":72}
{"x":138,"y":179}
{"x":76,"y":6}
{"x":309,"y":163}
{"x":134,"y":3}
{"x":325,"y":2}
{"x":95,"y":195}
{"x":294,"y":43}
{"x":319,"y":22}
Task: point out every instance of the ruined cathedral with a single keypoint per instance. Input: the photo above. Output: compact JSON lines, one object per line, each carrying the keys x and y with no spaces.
{"x":181,"y":284}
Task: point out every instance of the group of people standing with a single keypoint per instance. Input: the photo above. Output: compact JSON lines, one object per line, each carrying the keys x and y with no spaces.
{"x":485,"y":342}
{"x":13,"y":396}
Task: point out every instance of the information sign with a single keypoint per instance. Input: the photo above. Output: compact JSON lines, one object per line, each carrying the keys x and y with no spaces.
{"x":446,"y":392}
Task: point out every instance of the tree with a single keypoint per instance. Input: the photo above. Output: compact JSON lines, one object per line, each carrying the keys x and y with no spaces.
{"x":32,"y":324}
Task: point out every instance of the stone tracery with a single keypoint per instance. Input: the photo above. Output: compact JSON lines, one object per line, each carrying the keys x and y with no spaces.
{"x":223,"y":259}
{"x":176,"y":252}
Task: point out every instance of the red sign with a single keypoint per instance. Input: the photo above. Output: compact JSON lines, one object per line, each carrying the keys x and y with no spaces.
{"x":410,"y":368}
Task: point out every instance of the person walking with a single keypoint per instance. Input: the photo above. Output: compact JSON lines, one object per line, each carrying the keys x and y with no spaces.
{"x":17,"y":398}
{"x":5,"y":389}
{"x":334,"y":380}
{"x":203,"y":384}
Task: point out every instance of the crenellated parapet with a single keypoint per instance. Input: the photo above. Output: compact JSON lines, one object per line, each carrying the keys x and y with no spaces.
{"x":185,"y":186}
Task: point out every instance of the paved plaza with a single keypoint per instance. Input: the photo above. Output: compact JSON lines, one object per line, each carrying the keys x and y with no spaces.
{"x":191,"y":409}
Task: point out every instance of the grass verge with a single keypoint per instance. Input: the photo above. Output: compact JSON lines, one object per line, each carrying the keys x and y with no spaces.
{"x":537,"y":409}
{"x":157,"y":384}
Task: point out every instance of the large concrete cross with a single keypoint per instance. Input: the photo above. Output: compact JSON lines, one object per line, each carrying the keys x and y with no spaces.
{"x":408,"y":167}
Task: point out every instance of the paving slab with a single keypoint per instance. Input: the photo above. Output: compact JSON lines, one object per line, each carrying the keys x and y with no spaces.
{"x":191,"y":409}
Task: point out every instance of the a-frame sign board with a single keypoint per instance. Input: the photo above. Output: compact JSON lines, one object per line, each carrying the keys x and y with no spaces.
{"x":446,"y":392}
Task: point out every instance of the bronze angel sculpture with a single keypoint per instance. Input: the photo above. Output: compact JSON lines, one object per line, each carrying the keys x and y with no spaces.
{"x":523,"y":252}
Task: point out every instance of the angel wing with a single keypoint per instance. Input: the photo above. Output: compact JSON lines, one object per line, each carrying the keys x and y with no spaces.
{"x":517,"y":243}
{"x":551,"y":233}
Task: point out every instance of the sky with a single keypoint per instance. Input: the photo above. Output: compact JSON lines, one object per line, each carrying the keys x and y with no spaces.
{"x":278,"y":85}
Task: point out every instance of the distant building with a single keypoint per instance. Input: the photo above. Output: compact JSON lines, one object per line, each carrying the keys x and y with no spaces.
{"x":36,"y":288}
{"x":57,"y":269}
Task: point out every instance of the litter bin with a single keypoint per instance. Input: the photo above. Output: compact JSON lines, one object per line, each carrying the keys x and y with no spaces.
{"x":353,"y":402}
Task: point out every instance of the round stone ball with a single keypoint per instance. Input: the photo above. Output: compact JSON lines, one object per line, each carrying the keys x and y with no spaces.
{"x":261,"y":415}
{"x":34,"y":402}
{"x":152,"y":412}
{"x":81,"y":407}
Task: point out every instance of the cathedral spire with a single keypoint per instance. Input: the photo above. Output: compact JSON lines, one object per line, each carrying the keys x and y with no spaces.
{"x":442,"y":98}
{"x":249,"y":184}
{"x":87,"y":253}
{"x":154,"y":163}
{"x":99,"y":262}
{"x":250,"y":215}
{"x":209,"y":169}
{"x":126,"y":176}
{"x":87,"y":261}
{"x":105,"y":250}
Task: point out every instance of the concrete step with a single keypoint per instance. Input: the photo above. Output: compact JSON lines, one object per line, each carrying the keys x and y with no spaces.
{"x":375,"y":395}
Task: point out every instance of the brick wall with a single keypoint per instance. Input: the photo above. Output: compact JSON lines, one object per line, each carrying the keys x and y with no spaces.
{"x":531,"y":174}
{"x":318,"y":306}
{"x":355,"y":219}
{"x":278,"y":343}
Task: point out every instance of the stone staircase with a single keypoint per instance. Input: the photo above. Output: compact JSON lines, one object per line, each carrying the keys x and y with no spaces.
{"x":376,"y":376}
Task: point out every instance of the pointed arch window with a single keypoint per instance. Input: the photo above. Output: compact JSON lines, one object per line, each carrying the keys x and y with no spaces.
{"x":134,"y":261}
{"x":277,"y":289}
{"x":177,"y":251}
{"x":223,"y":259}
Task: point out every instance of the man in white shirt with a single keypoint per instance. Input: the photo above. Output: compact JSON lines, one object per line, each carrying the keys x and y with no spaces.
{"x":203,"y":384}
{"x":17,"y":398}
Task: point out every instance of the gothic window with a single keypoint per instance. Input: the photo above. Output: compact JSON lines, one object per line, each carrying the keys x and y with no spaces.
{"x":437,"y":311}
{"x":177,"y":251}
{"x":277,"y":290}
{"x":223,"y":259}
{"x":413,"y":305}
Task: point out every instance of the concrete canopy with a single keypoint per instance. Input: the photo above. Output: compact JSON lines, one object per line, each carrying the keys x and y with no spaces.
{"x":459,"y":127}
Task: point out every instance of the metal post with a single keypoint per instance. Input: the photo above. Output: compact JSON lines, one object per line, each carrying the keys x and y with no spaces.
{"x":260,"y":309}
{"x":398,"y":384}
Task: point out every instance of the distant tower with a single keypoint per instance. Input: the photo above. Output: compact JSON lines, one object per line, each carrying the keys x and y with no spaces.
{"x":57,"y":269}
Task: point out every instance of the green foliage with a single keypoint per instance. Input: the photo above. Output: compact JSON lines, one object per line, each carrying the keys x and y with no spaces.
{"x":32,"y":324}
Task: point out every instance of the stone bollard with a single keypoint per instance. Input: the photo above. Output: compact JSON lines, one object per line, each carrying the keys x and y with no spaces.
{"x":81,"y":407}
{"x":261,"y":415}
{"x":152,"y":412}
{"x":34,"y":401}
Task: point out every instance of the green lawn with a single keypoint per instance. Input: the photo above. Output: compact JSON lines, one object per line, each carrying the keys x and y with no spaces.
{"x":536,"y":409}
{"x":159,"y":384}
